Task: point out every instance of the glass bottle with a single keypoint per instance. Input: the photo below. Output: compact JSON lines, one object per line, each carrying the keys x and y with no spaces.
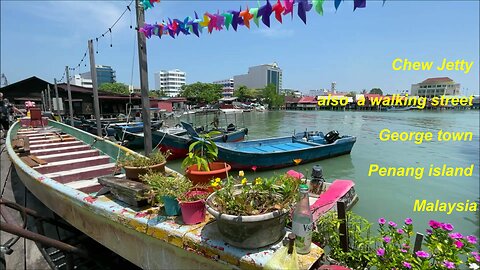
{"x":302,"y":225}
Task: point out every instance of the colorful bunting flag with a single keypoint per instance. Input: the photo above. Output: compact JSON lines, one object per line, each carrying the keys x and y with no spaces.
{"x":217,"y":21}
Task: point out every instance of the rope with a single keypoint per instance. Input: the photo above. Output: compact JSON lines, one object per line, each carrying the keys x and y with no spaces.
{"x":6,"y":180}
{"x":164,"y":134}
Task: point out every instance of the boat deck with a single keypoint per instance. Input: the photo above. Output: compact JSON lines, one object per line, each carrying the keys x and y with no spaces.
{"x":65,"y":159}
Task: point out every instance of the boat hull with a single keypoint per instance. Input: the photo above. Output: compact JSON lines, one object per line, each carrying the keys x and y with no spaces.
{"x":240,"y":160}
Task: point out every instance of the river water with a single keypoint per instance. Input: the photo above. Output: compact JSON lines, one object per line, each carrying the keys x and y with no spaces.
{"x":391,"y":197}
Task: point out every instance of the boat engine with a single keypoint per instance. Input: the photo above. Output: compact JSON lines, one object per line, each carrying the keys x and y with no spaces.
{"x":317,"y":182}
{"x":332,"y":136}
{"x":231,"y":127}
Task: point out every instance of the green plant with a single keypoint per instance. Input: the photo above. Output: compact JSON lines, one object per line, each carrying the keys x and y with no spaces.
{"x":201,"y":153}
{"x":260,"y":196}
{"x":392,"y":249}
{"x":136,"y":160}
{"x":194,"y":194}
{"x":165,"y":185}
{"x":361,"y":244}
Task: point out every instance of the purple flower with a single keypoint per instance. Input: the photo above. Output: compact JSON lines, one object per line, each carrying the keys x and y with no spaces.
{"x":392,"y":224}
{"x":400,"y":231}
{"x":408,"y":221}
{"x":434,"y":224}
{"x":381,"y":221}
{"x":405,"y":246}
{"x":449,"y":265}
{"x":407,"y":265}
{"x":472,"y":239}
{"x":476,"y":256}
{"x":380,"y":252}
{"x":447,"y":227}
{"x":429,"y":231}
{"x":422,"y":254}
{"x":458,"y":244}
{"x":387,"y":239}
{"x":403,"y":250}
{"x":455,"y":235}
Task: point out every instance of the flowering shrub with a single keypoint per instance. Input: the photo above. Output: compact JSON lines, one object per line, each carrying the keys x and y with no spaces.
{"x":239,"y":196}
{"x":443,"y":248}
{"x":392,"y":248}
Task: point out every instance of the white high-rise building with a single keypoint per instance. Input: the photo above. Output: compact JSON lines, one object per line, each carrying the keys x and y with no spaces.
{"x":260,"y":76}
{"x":79,"y":80}
{"x":170,"y":81}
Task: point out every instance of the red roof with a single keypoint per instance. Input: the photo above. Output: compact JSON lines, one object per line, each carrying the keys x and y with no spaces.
{"x":290,"y":99}
{"x":308,"y":100}
{"x":438,"y":80}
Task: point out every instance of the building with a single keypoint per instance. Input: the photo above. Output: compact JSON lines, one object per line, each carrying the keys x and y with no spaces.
{"x":227,"y":87}
{"x":170,"y":81}
{"x":105,"y":74}
{"x":434,"y":87}
{"x":78,"y":80}
{"x":260,"y":76}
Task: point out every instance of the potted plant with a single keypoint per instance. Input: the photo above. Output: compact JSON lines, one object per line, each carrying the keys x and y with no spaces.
{"x":166,"y":189}
{"x":200,"y":162}
{"x":136,"y":165}
{"x":252,"y":214}
{"x":192,"y":204}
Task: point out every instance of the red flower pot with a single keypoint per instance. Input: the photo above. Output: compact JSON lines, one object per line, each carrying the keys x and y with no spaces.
{"x":217,"y":169}
{"x":194,"y":212}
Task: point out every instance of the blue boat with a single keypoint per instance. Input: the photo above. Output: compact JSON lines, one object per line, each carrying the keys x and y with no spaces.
{"x":176,"y":140}
{"x":284,"y":151}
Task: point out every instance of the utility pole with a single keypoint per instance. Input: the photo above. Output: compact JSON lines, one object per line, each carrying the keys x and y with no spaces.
{"x":70,"y":102}
{"x":49,"y":98}
{"x":56,"y":96}
{"x":43,"y":101}
{"x":142,"y":63}
{"x":93,"y":73}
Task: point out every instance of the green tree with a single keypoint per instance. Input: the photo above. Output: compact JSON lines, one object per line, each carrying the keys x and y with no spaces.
{"x":243,"y":93}
{"x":376,"y":91}
{"x":118,"y":88}
{"x":271,"y":97}
{"x":206,"y":92}
{"x":351,"y":94}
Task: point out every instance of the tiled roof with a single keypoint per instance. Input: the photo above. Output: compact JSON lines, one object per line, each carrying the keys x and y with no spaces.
{"x":437,"y":80}
{"x":308,"y":100}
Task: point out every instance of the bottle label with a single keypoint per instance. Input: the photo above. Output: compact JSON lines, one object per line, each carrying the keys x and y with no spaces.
{"x":302,"y":230}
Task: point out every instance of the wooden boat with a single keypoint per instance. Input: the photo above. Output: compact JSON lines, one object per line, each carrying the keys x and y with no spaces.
{"x":176,"y":139}
{"x":61,"y":167}
{"x":281,"y":152}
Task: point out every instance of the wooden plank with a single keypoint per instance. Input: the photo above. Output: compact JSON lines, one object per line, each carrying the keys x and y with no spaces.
{"x":342,"y":230}
{"x":69,"y":155}
{"x":26,"y":145}
{"x":418,"y":243}
{"x":38,"y":160}
{"x":30,"y":162}
{"x":125,"y":190}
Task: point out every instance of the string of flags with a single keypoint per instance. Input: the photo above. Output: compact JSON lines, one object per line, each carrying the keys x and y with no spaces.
{"x":235,"y":18}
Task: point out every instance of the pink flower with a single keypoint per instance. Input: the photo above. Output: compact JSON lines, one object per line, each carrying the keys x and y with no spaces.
{"x":472,"y":239}
{"x":381,"y":221}
{"x":407,"y":265}
{"x":400,"y":231}
{"x":422,"y":254}
{"x":387,"y":239}
{"x":447,"y":227}
{"x":254,"y":168}
{"x":380,"y":252}
{"x":455,"y":235}
{"x":476,"y":256}
{"x":458,"y":244}
{"x":434,"y":224}
{"x":449,"y":265}
{"x":393,"y":224}
{"x":408,"y":221}
{"x":403,"y":250}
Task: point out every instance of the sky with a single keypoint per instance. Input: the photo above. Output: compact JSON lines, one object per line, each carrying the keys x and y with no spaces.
{"x":353,"y":48}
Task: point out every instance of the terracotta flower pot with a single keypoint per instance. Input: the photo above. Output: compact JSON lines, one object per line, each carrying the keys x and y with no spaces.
{"x":217,"y":169}
{"x":194,"y":212}
{"x":133,"y":173}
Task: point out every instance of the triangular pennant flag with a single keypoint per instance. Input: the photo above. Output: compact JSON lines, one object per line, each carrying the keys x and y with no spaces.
{"x":318,"y":5}
{"x":337,"y":3}
{"x":359,"y":4}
